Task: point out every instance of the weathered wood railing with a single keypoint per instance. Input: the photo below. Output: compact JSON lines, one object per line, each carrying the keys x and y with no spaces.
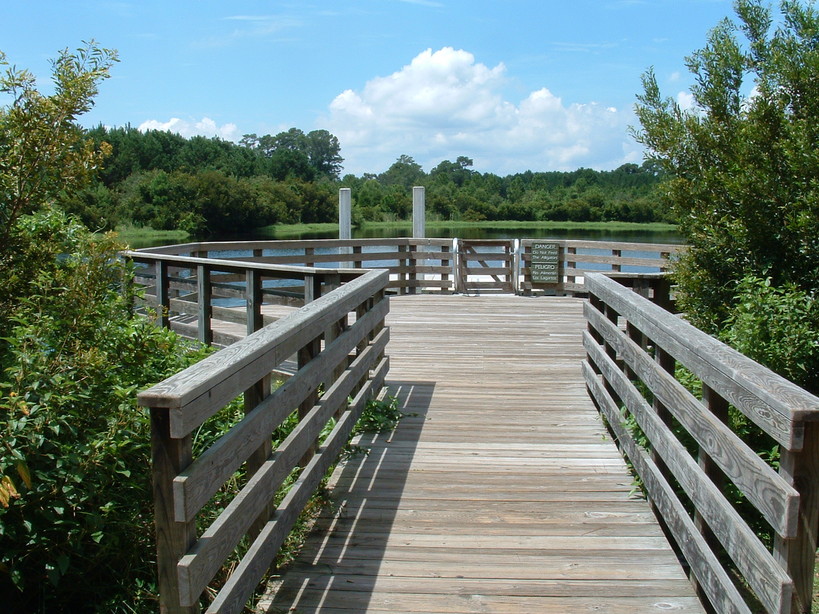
{"x":185,"y":285}
{"x":435,"y":265}
{"x":486,"y":265}
{"x":344,"y":354}
{"x":578,"y":258}
{"x":633,"y":348}
{"x":414,"y":264}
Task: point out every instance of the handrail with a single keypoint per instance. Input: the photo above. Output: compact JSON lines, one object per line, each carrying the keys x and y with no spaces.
{"x":443,"y":265}
{"x":346,"y":357}
{"x":414,"y":264}
{"x":633,"y":349}
{"x":187,"y":285}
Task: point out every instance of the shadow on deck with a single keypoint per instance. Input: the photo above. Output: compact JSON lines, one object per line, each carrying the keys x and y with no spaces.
{"x":500,"y":492}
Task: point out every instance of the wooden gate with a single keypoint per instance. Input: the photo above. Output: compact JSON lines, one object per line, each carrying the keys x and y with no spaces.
{"x":486,"y":266}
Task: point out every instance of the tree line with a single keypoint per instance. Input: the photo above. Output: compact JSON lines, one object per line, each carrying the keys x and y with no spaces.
{"x":209,"y":186}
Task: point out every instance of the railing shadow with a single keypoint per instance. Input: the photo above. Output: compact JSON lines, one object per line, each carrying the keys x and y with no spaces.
{"x":339,"y":564}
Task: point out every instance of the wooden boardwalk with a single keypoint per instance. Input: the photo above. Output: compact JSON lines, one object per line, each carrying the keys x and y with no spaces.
{"x":501,"y":492}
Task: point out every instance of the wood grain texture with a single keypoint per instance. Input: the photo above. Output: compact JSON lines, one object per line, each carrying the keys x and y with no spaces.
{"x":772,"y":402}
{"x":499,"y":492}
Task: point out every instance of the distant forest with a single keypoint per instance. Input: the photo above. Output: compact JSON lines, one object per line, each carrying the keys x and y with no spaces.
{"x":212,"y":187}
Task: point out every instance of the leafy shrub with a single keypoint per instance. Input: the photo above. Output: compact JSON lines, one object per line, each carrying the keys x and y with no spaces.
{"x":778,"y":327}
{"x":379,"y":415}
{"x":76,"y":521}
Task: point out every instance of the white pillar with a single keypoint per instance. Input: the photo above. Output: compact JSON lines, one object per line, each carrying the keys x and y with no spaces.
{"x":345,"y":224}
{"x":419,"y":226}
{"x":345,"y":214}
{"x":419,"y":215}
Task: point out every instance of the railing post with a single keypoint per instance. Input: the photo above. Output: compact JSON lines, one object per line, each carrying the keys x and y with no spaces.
{"x":570,"y":264}
{"x":719,"y":408}
{"x":173,"y":539}
{"x":445,"y":262}
{"x":252,"y":397}
{"x":456,"y":278}
{"x":797,"y":555}
{"x":312,"y":288}
{"x":163,"y":298}
{"x":515,"y":266}
{"x":402,"y":264}
{"x":413,"y":269}
{"x":205,"y":310}
{"x":668,"y":364}
{"x":305,"y":355}
{"x":617,"y":253}
{"x":253,"y":300}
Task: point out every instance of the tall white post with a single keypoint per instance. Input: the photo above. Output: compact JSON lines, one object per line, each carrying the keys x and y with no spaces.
{"x":345,"y":222}
{"x":345,"y":214}
{"x":419,"y":214}
{"x":419,"y":228}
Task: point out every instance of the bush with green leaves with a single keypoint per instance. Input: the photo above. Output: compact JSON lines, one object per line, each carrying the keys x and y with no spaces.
{"x":778,"y":327}
{"x":76,"y":519}
{"x":742,"y":164}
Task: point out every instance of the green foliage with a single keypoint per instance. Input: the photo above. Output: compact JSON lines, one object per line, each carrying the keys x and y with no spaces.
{"x":379,"y":415}
{"x":42,"y":150}
{"x":209,"y":186}
{"x":75,"y":446}
{"x":778,"y":327}
{"x":742,"y":165}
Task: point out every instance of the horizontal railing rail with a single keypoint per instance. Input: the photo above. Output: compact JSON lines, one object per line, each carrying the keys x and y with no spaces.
{"x":578,"y":258}
{"x":176,"y":285}
{"x":415,"y":265}
{"x":695,"y":467}
{"x":339,"y":340}
{"x":441,"y":265}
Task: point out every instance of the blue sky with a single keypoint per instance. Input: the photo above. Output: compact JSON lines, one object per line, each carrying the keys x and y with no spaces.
{"x":513,"y":84}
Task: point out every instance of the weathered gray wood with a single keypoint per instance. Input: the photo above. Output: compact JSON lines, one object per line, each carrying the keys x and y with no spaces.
{"x":190,"y":394}
{"x":237,"y":589}
{"x":168,"y":457}
{"x":194,"y":487}
{"x":499,"y":482}
{"x":253,"y":298}
{"x":253,"y":397}
{"x":203,"y":289}
{"x":715,"y":582}
{"x":769,"y":493}
{"x":770,"y":401}
{"x":798,"y":554}
{"x":202,"y":562}
{"x":162,"y":295}
{"x":768,"y":580}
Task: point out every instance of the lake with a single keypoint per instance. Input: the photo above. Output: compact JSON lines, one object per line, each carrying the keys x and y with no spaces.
{"x":635,"y":235}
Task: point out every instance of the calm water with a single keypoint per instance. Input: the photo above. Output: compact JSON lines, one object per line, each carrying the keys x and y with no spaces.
{"x":632,"y":235}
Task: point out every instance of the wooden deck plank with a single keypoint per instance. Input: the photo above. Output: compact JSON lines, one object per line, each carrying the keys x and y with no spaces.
{"x":500,"y":492}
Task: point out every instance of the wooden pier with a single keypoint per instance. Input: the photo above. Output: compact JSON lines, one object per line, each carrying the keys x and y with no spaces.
{"x":499,"y":492}
{"x":502,"y":491}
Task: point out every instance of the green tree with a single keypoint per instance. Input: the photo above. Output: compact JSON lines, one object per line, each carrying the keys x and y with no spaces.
{"x":742,"y":165}
{"x":42,"y":148}
{"x":405,"y":172}
{"x":324,"y":152}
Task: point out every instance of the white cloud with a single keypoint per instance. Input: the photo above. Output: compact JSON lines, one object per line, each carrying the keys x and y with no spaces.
{"x":445,"y":104}
{"x":685,"y":100}
{"x":204,"y":127}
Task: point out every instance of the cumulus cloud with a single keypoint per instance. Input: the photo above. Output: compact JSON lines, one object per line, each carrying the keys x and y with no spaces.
{"x":445,"y":104}
{"x":686,"y":102}
{"x":204,"y":127}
